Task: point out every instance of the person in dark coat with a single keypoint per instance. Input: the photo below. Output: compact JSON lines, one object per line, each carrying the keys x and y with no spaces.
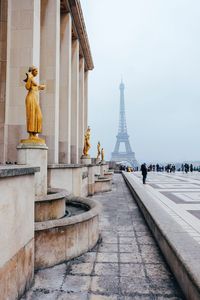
{"x":144,"y":172}
{"x":186,"y":166}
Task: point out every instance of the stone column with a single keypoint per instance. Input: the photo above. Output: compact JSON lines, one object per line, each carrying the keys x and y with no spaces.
{"x":3,"y":61}
{"x":49,"y":74}
{"x":75,"y":103}
{"x":23,"y":50}
{"x":86,"y":101}
{"x":65,"y":89}
{"x":81,"y":105}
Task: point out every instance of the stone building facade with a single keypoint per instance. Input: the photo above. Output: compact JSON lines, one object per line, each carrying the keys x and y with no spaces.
{"x":51,"y":35}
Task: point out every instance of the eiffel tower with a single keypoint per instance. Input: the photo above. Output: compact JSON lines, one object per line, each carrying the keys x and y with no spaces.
{"x":123,"y":137}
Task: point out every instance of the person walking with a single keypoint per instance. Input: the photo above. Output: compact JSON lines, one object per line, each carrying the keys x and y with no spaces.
{"x":144,"y":172}
{"x":186,"y":166}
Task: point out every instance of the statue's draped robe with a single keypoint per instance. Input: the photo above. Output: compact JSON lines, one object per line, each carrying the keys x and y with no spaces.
{"x":33,"y":111}
{"x":86,"y":144}
{"x":98,"y":151}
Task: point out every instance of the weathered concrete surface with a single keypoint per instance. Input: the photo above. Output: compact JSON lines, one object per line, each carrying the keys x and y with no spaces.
{"x":102,"y":185}
{"x":17,"y":230}
{"x":126,"y":265}
{"x":51,"y":206}
{"x":71,"y":177}
{"x":35,"y":155}
{"x":16,"y":275}
{"x":62,"y":239}
{"x":172,"y":232}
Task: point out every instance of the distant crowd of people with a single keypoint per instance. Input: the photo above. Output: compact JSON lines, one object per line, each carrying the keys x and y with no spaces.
{"x":169,"y":168}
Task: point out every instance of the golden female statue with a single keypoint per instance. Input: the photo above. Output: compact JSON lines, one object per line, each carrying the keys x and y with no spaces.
{"x":102,"y":154}
{"x":87,"y":142}
{"x":33,"y":111}
{"x":98,"y":150}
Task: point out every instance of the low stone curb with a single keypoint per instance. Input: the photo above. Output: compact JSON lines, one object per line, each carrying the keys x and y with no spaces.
{"x":180,"y":250}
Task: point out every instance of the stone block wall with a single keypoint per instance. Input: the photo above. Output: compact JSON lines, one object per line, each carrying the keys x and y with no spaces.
{"x":73,"y":178}
{"x":17,"y":231}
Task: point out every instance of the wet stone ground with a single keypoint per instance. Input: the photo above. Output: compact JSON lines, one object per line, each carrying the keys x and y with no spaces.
{"x":125,"y":265}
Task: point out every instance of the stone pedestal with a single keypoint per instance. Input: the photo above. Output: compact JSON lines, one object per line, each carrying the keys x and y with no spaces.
{"x":106,"y":167}
{"x":98,"y":169}
{"x":97,"y":160}
{"x":35,"y":155}
{"x":102,"y":166}
{"x":91,"y":180}
{"x":86,"y":160}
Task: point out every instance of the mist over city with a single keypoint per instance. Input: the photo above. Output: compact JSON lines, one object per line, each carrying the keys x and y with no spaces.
{"x":154,"y":46}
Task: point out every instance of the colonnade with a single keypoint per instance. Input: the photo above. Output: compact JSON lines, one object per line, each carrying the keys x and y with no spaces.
{"x":39,"y":33}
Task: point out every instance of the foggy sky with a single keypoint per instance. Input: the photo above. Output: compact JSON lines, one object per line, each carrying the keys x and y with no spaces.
{"x":155,"y":46}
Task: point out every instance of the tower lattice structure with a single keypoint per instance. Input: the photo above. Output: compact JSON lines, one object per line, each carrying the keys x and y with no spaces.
{"x":122,"y":136}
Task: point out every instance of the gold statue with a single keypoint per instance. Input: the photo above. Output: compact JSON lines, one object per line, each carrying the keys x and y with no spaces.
{"x":33,"y":111}
{"x":98,"y":150}
{"x":87,"y":142}
{"x":102,"y":154}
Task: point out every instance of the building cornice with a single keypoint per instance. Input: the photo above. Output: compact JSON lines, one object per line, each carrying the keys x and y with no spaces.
{"x":79,"y":29}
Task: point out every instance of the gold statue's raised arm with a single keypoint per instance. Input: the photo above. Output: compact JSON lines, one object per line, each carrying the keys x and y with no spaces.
{"x":33,"y":111}
{"x":86,"y":142}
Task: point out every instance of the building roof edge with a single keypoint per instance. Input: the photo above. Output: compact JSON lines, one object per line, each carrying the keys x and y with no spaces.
{"x":79,"y":29}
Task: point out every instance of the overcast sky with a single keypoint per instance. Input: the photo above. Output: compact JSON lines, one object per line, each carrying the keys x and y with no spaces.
{"x":155,"y":46}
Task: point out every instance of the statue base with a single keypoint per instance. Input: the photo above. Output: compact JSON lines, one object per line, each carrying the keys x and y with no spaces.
{"x":103,"y":168}
{"x":97,"y":160}
{"x":86,"y":160}
{"x":35,"y":154}
{"x":33,"y":140}
{"x":103,"y":162}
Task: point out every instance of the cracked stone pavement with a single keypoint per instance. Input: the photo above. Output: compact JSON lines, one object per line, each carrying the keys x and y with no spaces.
{"x":126,"y":264}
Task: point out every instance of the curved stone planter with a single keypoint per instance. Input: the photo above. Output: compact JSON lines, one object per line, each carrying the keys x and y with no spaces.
{"x":108,"y":175}
{"x":103,"y":184}
{"x":61,"y":240}
{"x":52,"y":206}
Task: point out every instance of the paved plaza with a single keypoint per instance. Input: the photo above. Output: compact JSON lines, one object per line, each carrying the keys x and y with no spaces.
{"x":179,"y":194}
{"x":126,"y":264}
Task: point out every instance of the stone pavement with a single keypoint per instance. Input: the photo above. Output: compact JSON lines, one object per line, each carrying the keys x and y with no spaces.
{"x":179,"y":195}
{"x":125,"y":265}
